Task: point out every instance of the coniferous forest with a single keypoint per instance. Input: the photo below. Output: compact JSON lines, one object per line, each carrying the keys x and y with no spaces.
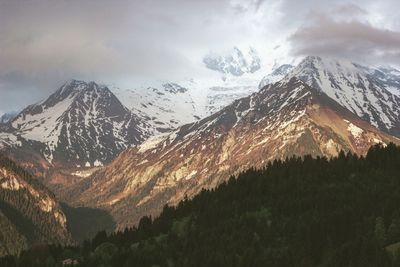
{"x":343,"y":211}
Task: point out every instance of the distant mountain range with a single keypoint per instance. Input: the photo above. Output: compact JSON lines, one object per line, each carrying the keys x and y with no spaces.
{"x":301,"y":114}
{"x":85,"y":124}
{"x":236,"y":62}
{"x":169,"y":140}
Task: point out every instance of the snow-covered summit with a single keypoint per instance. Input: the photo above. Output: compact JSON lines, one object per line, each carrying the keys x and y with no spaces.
{"x":82,"y":123}
{"x":371,"y":93}
{"x":276,"y":75}
{"x":236,"y":62}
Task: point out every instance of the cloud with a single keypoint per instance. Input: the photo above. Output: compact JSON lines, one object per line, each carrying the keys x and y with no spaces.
{"x":43,"y":43}
{"x":350,"y":37}
{"x":349,"y":9}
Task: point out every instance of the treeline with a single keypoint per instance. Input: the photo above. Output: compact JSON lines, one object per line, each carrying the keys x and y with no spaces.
{"x":343,"y":211}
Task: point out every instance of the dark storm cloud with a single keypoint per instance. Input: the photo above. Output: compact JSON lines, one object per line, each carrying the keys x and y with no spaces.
{"x":354,"y":38}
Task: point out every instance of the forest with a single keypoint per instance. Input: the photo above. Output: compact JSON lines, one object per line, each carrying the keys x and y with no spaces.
{"x":301,"y":211}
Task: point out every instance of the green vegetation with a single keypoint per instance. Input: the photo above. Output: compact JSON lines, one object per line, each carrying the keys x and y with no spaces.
{"x":298,"y":212}
{"x":22,"y":221}
{"x":84,"y":223}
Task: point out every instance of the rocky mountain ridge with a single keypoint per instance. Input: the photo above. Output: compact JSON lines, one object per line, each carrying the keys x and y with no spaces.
{"x":283,"y":119}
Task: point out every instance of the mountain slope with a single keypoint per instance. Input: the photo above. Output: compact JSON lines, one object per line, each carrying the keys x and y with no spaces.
{"x":372,"y":94}
{"x":29,"y":213}
{"x":297,"y":212}
{"x":81,"y":124}
{"x":164,"y":106}
{"x":281,"y":120}
{"x":222,"y":79}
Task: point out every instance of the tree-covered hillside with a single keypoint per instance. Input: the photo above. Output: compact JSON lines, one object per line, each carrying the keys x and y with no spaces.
{"x":300,"y":212}
{"x":31,"y":215}
{"x":29,"y":212}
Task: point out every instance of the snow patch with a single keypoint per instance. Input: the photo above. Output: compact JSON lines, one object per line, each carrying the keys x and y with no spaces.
{"x":97,"y":163}
{"x":354,"y":130}
{"x":8,"y":139}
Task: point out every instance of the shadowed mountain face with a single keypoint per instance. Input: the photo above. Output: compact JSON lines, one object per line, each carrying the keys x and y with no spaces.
{"x":281,"y":120}
{"x":31,"y":215}
{"x":29,"y":212}
{"x":84,"y":223}
{"x":319,"y":107}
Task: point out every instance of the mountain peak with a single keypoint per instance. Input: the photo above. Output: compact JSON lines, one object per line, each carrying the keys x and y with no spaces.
{"x":235,"y":62}
{"x":80,"y":85}
{"x":82,"y":122}
{"x":365,"y":91}
{"x":276,"y":75}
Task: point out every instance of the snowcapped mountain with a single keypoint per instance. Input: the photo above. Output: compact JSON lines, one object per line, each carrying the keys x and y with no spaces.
{"x":85,"y":124}
{"x":167,"y":105}
{"x":235,"y":62}
{"x":388,"y":76}
{"x":371,"y":93}
{"x":276,"y":75}
{"x":81,"y":124}
{"x":164,"y":106}
{"x":284,"y":119}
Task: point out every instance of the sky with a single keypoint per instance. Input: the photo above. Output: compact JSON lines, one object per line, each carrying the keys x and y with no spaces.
{"x":44,"y":43}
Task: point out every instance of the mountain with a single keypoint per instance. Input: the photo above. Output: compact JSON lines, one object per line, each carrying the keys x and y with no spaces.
{"x":276,"y":75}
{"x":284,"y":119}
{"x":373,"y":94}
{"x":297,"y":212}
{"x":29,"y":213}
{"x":167,"y":105}
{"x":235,"y":62}
{"x":390,"y":77}
{"x":81,"y":124}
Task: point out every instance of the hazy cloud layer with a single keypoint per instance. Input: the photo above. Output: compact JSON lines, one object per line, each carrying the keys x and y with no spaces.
{"x":43,"y":43}
{"x":331,"y":34}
